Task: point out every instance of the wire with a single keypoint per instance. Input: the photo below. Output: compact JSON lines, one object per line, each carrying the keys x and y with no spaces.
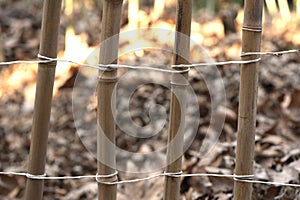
{"x":277,"y":53}
{"x":240,"y":178}
{"x":45,"y":59}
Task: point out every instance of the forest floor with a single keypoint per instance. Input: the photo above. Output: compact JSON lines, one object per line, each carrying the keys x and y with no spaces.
{"x":71,"y":147}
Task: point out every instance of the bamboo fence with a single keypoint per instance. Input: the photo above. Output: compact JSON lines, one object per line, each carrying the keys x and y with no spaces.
{"x":105,"y":108}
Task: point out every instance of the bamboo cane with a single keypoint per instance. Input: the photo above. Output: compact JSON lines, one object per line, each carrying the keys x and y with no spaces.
{"x":177,"y":110}
{"x":211,"y":6}
{"x":43,"y":99}
{"x":108,"y":54}
{"x":133,"y":14}
{"x":1,"y":47}
{"x":284,"y":10}
{"x":248,"y":98}
{"x":272,"y":7}
{"x":298,"y":8}
{"x":159,"y":6}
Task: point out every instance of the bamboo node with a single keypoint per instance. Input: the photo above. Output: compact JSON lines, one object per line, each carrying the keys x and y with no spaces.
{"x":107,"y":79}
{"x":36,"y":177}
{"x":243,"y":117}
{"x":252,"y":29}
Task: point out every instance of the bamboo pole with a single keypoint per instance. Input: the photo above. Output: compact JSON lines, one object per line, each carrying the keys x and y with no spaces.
{"x":298,"y":8}
{"x":248,"y":98}
{"x":159,"y":6}
{"x":133,"y":14}
{"x":43,"y":99}
{"x":272,"y":7}
{"x":108,"y":54}
{"x":284,"y":10}
{"x":211,"y":6}
{"x":177,"y":109}
{"x":1,"y":48}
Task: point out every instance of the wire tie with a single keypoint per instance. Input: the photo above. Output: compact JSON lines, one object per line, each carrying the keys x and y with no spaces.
{"x":243,"y":54}
{"x":252,"y":29}
{"x":36,"y":177}
{"x":180,"y":71}
{"x":98,"y":177}
{"x":107,"y":67}
{"x":242,"y":178}
{"x":173,"y":174}
{"x":46,"y":58}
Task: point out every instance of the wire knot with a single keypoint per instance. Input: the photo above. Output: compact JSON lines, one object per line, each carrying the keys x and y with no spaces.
{"x":173,"y":174}
{"x":108,"y":67}
{"x":36,"y":177}
{"x":243,"y":178}
{"x":106,"y":176}
{"x":252,"y":29}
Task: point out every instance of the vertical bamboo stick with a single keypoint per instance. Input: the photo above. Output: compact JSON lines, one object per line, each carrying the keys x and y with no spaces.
{"x":1,"y":47}
{"x":211,"y":6}
{"x":159,"y":6}
{"x":272,"y":7}
{"x":133,"y":14}
{"x":298,"y":8}
{"x":248,"y":97}
{"x":177,"y":110}
{"x":284,"y":10}
{"x":43,"y":99}
{"x":108,"y":54}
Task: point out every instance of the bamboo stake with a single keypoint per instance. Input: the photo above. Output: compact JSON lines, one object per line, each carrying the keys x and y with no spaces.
{"x":272,"y":7}
{"x":298,"y":8}
{"x":108,"y":54}
{"x":284,"y":10}
{"x":159,"y":6}
{"x":177,"y":110}
{"x":133,"y":14}
{"x":211,"y":6}
{"x":1,"y":47}
{"x":43,"y":99}
{"x":69,"y":7}
{"x":248,"y":98}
